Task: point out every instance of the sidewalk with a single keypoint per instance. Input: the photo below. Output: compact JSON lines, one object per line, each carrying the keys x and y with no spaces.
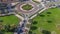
{"x":20,"y":17}
{"x":37,"y":14}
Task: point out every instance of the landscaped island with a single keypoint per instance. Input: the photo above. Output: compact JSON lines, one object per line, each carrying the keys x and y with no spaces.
{"x":27,"y":7}
{"x":48,"y":22}
{"x":8,"y":24}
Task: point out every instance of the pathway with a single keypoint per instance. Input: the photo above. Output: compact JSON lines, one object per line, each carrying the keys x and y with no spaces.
{"x":37,"y":14}
{"x":20,"y":17}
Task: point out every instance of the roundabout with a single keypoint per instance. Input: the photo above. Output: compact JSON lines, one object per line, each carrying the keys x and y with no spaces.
{"x":27,"y":8}
{"x":29,"y":12}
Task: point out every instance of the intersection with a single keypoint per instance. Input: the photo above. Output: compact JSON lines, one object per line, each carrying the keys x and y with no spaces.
{"x":25,"y":15}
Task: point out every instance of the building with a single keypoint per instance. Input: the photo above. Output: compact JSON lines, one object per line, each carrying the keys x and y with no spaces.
{"x":7,"y":1}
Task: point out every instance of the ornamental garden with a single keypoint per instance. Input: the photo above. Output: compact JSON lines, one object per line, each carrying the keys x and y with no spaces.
{"x":27,"y":7}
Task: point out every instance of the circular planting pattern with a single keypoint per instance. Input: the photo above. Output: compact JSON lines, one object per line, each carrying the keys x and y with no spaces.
{"x":27,"y":7}
{"x":24,"y":8}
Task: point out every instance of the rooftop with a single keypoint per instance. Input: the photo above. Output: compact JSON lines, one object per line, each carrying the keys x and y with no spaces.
{"x":5,"y":1}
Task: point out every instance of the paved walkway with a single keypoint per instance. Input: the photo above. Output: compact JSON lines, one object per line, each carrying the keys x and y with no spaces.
{"x":20,"y":17}
{"x":37,"y":14}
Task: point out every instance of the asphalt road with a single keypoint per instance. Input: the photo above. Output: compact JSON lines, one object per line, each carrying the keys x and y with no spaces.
{"x":21,"y":27}
{"x":36,"y":7}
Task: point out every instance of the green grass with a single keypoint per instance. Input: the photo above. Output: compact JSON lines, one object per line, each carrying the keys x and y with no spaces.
{"x":9,"y":20}
{"x":42,"y":21}
{"x":27,"y":7}
{"x":8,"y":33}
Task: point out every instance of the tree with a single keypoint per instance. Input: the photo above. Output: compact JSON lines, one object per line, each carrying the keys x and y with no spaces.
{"x":13,"y":27}
{"x":49,"y":21}
{"x":46,"y":32}
{"x":1,"y":32}
{"x":10,"y":28}
{"x":42,"y":15}
{"x":49,"y":13}
{"x":34,"y":22}
{"x":33,"y":27}
{"x":30,"y":32}
{"x":2,"y":27}
{"x":1,"y":20}
{"x":7,"y":28}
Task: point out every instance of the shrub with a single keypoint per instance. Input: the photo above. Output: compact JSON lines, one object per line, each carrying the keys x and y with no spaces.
{"x":42,"y":15}
{"x":33,"y":27}
{"x":1,"y":20}
{"x":34,"y":22}
{"x":1,"y":32}
{"x":49,"y":21}
{"x":46,"y":32}
{"x":48,"y":12}
{"x":30,"y":32}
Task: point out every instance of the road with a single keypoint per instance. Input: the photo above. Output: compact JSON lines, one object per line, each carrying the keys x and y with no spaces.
{"x":43,"y":5}
{"x":35,"y":8}
{"x":22,"y":24}
{"x":21,"y":28}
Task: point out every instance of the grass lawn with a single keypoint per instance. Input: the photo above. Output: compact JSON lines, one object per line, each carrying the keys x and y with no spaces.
{"x":27,"y":7}
{"x":9,"y":20}
{"x":42,"y":21}
{"x":8,"y":33}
